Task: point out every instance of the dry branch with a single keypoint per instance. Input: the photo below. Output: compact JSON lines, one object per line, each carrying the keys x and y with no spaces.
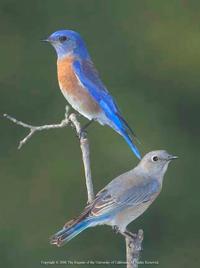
{"x":133,"y":245}
{"x":84,"y":144}
{"x":133,"y":249}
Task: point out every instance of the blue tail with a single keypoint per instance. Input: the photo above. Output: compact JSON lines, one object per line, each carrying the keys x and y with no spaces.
{"x":122,"y":129}
{"x":119,"y":124}
{"x":135,"y":150}
{"x":69,"y":231}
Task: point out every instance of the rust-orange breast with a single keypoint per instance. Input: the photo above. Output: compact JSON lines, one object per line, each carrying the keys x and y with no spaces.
{"x":66,"y":77}
{"x":70,"y":86}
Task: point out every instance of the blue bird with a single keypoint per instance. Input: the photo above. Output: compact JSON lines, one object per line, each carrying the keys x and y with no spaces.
{"x":81,"y":86}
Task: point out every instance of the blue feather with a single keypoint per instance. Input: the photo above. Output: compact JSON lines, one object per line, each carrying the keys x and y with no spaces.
{"x":89,"y":78}
{"x":67,"y":233}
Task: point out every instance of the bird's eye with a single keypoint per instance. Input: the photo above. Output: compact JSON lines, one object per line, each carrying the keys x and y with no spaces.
{"x":62,"y":38}
{"x":155,"y":158}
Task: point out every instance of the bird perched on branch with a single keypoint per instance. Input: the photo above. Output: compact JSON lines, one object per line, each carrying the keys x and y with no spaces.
{"x":122,"y":200}
{"x":82,"y":87}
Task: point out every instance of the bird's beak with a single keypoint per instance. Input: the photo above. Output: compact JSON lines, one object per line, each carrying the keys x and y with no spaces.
{"x":45,"y":40}
{"x":172,"y":157}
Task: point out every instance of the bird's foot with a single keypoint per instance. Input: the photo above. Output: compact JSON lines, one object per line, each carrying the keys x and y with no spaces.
{"x":134,"y":240}
{"x":116,"y":229}
{"x":82,"y":133}
{"x":130,"y":234}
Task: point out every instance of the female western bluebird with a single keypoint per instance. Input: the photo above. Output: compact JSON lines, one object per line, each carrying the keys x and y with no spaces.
{"x":82,"y":87}
{"x":122,"y":200}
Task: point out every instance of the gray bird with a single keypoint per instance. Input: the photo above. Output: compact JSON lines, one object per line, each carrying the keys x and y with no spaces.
{"x":123,"y":200}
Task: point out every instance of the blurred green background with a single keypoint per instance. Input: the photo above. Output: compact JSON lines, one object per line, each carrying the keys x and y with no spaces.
{"x":148,"y":55}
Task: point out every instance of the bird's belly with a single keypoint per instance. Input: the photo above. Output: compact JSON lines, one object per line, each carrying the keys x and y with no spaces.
{"x":130,"y":214}
{"x":82,"y":102}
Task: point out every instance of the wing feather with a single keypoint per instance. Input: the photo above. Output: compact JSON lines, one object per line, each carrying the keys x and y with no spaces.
{"x":107,"y":203}
{"x":89,"y":78}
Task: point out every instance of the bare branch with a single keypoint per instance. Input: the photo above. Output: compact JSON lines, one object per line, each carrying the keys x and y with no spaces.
{"x":133,"y":248}
{"x":133,"y":245}
{"x":34,"y":129}
{"x":84,"y":143}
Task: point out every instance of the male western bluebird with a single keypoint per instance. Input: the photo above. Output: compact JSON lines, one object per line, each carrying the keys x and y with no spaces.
{"x":82,"y":87}
{"x":122,"y":200}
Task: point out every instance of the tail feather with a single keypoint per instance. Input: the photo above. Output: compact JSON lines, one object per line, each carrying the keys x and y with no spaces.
{"x":69,"y":231}
{"x":118,"y":123}
{"x":122,"y":128}
{"x":127,"y":125}
{"x":130,"y":143}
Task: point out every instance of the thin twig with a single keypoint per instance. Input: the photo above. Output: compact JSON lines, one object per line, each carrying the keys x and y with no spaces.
{"x":34,"y":129}
{"x":84,"y":143}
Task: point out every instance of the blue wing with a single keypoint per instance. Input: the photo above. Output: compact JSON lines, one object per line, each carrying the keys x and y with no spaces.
{"x":89,"y":78}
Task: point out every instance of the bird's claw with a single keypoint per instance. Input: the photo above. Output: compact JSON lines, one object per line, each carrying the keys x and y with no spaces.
{"x":130,"y":244}
{"x":82,"y":134}
{"x":116,"y":229}
{"x":131,"y":235}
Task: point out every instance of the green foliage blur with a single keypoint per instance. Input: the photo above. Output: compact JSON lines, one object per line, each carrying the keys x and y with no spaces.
{"x":148,"y":55}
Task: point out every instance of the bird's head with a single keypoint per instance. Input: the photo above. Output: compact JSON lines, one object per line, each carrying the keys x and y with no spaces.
{"x":156,"y":162}
{"x":67,"y":42}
